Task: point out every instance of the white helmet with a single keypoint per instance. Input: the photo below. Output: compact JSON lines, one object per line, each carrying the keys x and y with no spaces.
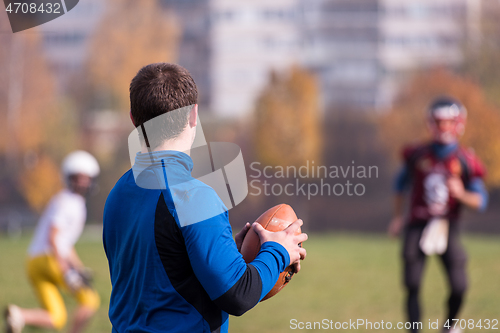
{"x":82,"y":162}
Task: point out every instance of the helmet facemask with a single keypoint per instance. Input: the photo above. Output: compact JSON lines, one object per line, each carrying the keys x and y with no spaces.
{"x":446,"y":121}
{"x":79,"y":170}
{"x":81,"y":184}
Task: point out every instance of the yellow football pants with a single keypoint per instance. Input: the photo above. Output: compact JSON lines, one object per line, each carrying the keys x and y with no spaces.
{"x":47,"y":278}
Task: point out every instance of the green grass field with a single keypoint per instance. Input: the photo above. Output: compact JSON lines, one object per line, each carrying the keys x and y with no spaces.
{"x":345,"y":277}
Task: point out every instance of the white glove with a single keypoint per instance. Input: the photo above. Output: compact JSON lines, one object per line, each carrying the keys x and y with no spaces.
{"x":76,"y":279}
{"x":73,"y":279}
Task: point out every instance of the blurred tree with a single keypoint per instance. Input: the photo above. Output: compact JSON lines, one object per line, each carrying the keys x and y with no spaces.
{"x":287,"y":126}
{"x":405,"y":122}
{"x":131,"y":35}
{"x":27,"y":92}
{"x":482,"y":51}
{"x":35,"y":129}
{"x":40,"y":182}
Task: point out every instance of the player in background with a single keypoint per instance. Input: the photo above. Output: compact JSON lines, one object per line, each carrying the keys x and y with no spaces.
{"x":53,"y":263}
{"x":442,"y":177}
{"x":174,"y":265}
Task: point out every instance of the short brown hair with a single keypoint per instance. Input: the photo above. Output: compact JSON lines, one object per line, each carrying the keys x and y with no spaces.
{"x":160,"y":88}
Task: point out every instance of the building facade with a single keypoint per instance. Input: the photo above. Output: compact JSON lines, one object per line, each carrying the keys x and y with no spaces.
{"x":361,"y":50}
{"x":66,"y":39}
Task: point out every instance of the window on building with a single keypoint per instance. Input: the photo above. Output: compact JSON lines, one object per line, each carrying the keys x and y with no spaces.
{"x":224,"y":15}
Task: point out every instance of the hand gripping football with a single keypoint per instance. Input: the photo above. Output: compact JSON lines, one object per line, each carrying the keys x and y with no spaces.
{"x":274,"y":219}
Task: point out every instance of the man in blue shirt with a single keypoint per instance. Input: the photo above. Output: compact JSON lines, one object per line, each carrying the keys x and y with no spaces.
{"x":173,"y":263}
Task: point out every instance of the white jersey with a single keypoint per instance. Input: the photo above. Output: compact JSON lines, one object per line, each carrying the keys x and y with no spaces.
{"x":66,"y":212}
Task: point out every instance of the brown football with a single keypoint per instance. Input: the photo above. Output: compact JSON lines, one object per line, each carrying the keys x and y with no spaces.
{"x":274,"y":219}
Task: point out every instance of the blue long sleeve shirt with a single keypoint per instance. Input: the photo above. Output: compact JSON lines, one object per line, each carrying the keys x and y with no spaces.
{"x":173,"y":263}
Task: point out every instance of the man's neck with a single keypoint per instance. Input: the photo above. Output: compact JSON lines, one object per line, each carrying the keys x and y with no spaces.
{"x":181,"y":143}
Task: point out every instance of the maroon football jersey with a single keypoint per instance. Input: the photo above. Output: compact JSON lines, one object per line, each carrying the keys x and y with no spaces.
{"x":430,"y":194}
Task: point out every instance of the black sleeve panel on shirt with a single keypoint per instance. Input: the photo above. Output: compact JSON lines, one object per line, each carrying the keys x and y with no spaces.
{"x":243,"y":295}
{"x":174,"y":257}
{"x":466,"y":169}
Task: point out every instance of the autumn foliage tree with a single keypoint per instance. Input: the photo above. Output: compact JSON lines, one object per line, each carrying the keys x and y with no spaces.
{"x":405,"y":122}
{"x":131,"y":35}
{"x":482,"y":52}
{"x":35,"y":131}
{"x":287,"y":124}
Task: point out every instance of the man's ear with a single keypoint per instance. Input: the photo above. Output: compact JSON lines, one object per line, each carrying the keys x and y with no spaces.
{"x":193,"y":116}
{"x":132,"y":118}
